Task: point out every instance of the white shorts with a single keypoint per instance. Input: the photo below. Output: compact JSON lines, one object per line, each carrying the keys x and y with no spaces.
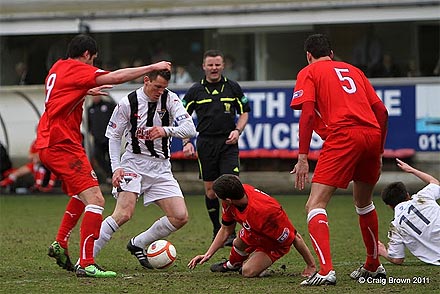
{"x":151,"y":177}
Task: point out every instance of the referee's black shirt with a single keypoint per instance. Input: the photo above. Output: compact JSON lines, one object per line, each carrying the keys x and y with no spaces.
{"x":216,"y":106}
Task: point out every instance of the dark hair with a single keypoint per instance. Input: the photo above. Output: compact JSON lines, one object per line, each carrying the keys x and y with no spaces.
{"x":228,"y":186}
{"x":318,"y":45}
{"x":394,"y":194}
{"x":213,"y":53}
{"x":152,"y":75}
{"x":80,"y":44}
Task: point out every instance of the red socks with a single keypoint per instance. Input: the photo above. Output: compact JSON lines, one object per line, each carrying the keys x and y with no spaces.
{"x":369,"y":227}
{"x":74,"y":210}
{"x":89,"y":232}
{"x":320,"y":236}
{"x":237,"y":257}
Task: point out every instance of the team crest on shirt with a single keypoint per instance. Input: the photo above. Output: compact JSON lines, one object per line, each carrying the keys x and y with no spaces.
{"x":297,"y":94}
{"x":284,"y":235}
{"x":93,"y":174}
{"x":161,"y":113}
{"x":246,"y":225}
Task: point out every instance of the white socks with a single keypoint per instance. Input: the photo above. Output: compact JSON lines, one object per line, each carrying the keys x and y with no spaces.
{"x":159,"y":230}
{"x":108,"y":227}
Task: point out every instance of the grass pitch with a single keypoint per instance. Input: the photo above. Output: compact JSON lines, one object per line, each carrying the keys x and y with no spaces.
{"x":28,"y":224}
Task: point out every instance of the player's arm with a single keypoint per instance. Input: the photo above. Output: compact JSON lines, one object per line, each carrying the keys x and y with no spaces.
{"x":216,"y":244}
{"x":302,"y":249}
{"x":241,"y":124}
{"x":382,"y":250}
{"x":427,"y":178}
{"x":114,"y":132}
{"x":381,"y":113}
{"x":184,"y":127}
{"x":301,"y":168}
{"x":128,"y":74}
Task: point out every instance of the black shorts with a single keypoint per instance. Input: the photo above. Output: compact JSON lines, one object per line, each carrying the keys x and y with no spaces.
{"x":216,"y":158}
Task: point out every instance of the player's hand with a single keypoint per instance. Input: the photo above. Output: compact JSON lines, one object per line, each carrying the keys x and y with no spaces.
{"x":308,"y":271}
{"x":118,"y":177}
{"x":233,"y":137}
{"x":188,"y":150}
{"x":382,"y":249}
{"x":301,"y":171}
{"x":404,"y":166}
{"x":98,"y":91}
{"x":162,"y":65}
{"x":199,"y":259}
{"x":156,"y":132}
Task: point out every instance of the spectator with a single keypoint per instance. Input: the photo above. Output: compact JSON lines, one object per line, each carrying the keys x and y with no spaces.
{"x":44,"y":180}
{"x":386,"y":69}
{"x":99,"y":113}
{"x":181,"y":76}
{"x":21,"y":70}
{"x":5,"y":161}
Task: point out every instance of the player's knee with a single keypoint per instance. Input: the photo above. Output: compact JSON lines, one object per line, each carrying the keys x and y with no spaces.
{"x":179,"y":220}
{"x":248,"y":272}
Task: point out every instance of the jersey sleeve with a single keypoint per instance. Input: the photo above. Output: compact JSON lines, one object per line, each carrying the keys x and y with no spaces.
{"x":431,"y":191}
{"x":183,"y":125}
{"x":396,"y":246}
{"x":188,"y":100}
{"x":242,"y":101}
{"x":85,"y":75}
{"x":277,"y":227}
{"x":119,"y":120}
{"x":369,"y":90}
{"x":227,"y":217}
{"x":304,"y":89}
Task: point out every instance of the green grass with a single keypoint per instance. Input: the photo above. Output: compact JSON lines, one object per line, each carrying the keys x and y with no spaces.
{"x":28,"y":225}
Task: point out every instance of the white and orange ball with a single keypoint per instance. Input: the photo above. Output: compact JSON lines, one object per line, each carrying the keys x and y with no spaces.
{"x":161,"y":254}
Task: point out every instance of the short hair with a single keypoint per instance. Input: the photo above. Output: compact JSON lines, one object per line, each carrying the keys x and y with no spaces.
{"x":318,"y":45}
{"x":228,"y":186}
{"x":213,"y":53}
{"x":394,"y":194}
{"x":152,"y":75}
{"x":80,"y":44}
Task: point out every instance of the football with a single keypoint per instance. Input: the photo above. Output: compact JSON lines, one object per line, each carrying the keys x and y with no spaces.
{"x":161,"y":254}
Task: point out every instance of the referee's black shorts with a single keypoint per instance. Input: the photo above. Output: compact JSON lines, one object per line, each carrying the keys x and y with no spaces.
{"x":216,"y":158}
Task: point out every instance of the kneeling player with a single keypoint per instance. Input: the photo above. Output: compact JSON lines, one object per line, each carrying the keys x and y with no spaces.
{"x":266,"y":235}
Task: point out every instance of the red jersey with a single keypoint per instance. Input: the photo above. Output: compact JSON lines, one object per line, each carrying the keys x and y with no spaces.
{"x":342,"y":95}
{"x":66,"y":87}
{"x":263,"y":218}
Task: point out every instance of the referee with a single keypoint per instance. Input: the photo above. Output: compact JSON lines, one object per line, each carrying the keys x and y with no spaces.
{"x":217,"y":102}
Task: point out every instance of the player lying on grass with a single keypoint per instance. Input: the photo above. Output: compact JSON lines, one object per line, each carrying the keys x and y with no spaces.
{"x":266,"y":235}
{"x":416,"y":223}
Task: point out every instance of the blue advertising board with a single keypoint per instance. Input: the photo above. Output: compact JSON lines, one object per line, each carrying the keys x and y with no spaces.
{"x":414,"y":119}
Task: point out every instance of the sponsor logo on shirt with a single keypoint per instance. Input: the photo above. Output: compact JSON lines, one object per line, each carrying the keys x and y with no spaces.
{"x":112,"y":125}
{"x":284,"y":235}
{"x":182,"y":117}
{"x":297,"y":94}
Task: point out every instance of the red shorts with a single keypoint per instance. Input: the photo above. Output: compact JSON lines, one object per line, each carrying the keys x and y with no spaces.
{"x":273,"y":249}
{"x":70,"y":164}
{"x":350,"y":154}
